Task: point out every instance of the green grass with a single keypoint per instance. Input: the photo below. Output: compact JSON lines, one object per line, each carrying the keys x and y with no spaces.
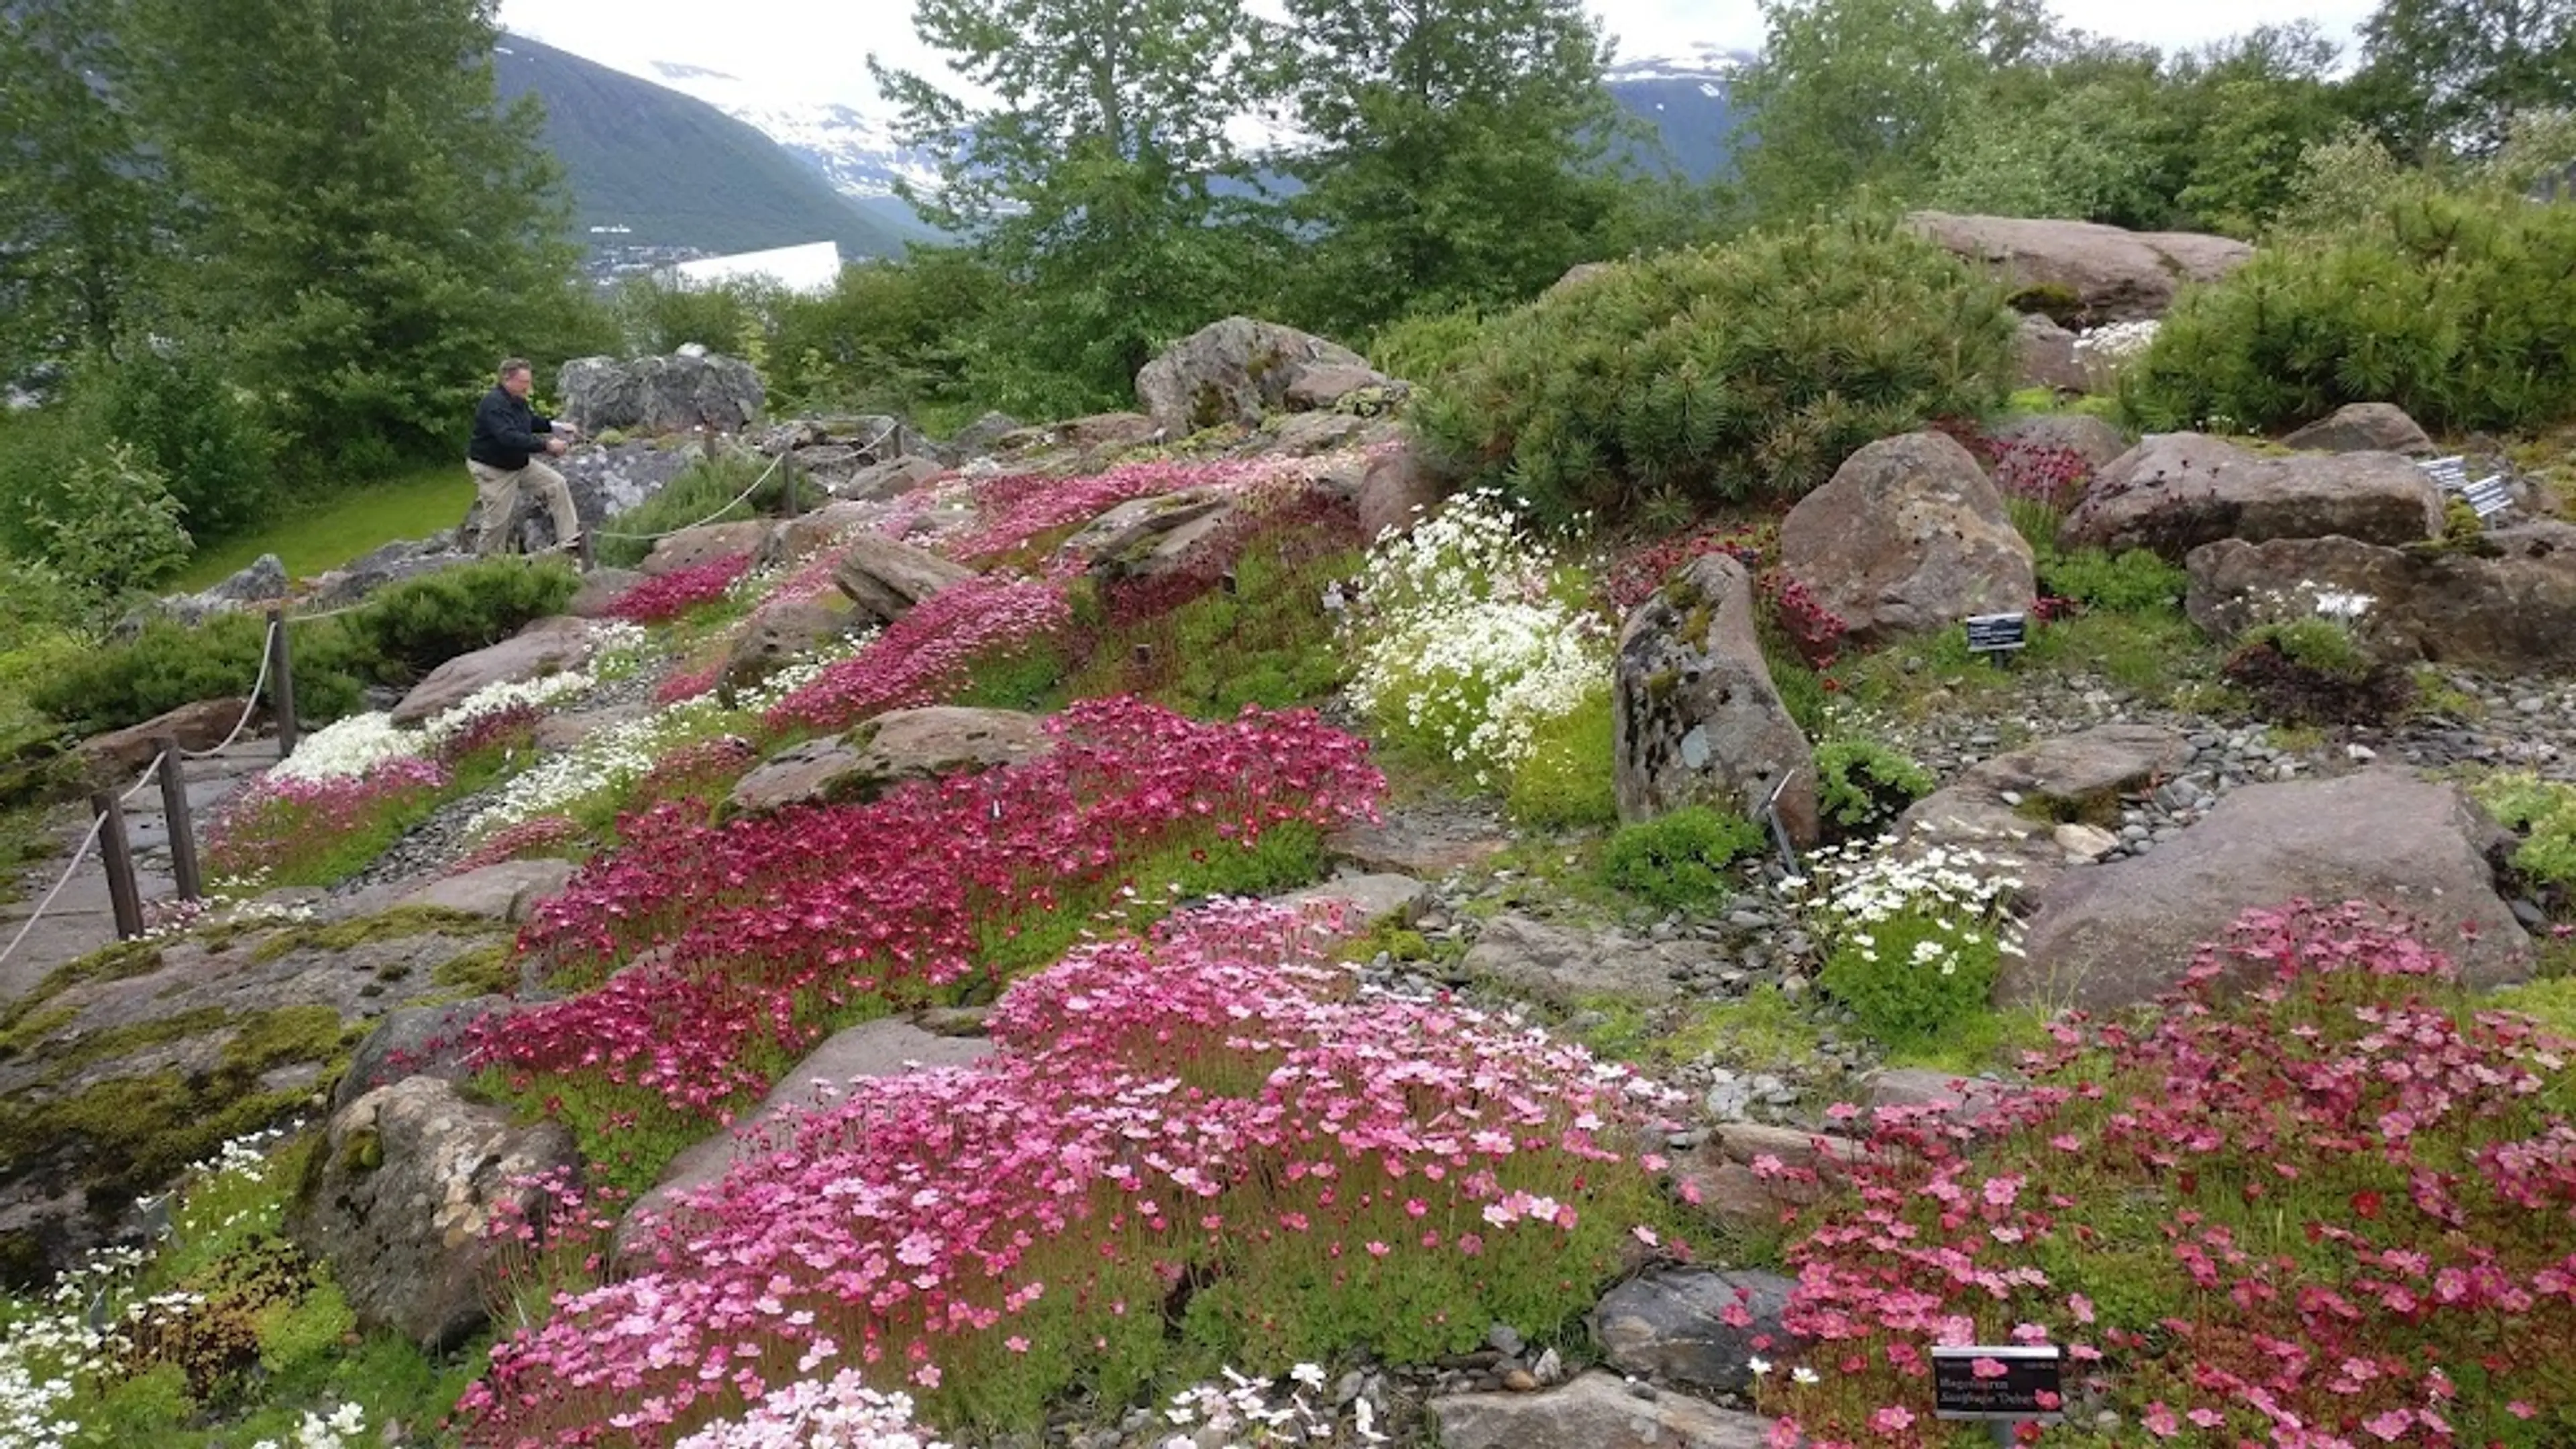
{"x":326,"y":533}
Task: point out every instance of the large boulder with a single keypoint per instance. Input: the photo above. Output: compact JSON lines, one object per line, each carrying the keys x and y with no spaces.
{"x":1908,"y":537}
{"x":401,"y":1192}
{"x":704,"y":544}
{"x":2174,"y":492}
{"x":779,"y":635}
{"x":1235,"y":370}
{"x":1397,"y":492}
{"x":885,"y":577}
{"x":1697,"y":720}
{"x":906,"y":744}
{"x":199,"y":726}
{"x":604,"y":481}
{"x":2013,"y":809}
{"x":2364,"y":428}
{"x":2508,"y":603}
{"x":548,"y":646}
{"x":419,"y":1041}
{"x":2112,"y":275}
{"x":881,"y":1048}
{"x":1147,"y":537}
{"x":1693,"y":1326}
{"x":660,"y":394}
{"x":1595,"y":1411}
{"x":408,"y":558}
{"x":2122,"y":934}
{"x":2081,"y":436}
{"x":601,"y":590}
{"x":503,"y":891}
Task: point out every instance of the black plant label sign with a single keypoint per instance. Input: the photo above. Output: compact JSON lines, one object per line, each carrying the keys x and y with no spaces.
{"x":1998,"y":1381}
{"x":1996,"y":633}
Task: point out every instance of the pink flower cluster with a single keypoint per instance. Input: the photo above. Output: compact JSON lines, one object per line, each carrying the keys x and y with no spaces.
{"x":528,"y":837}
{"x":1018,"y":511}
{"x":923,"y":657}
{"x":751,"y":922}
{"x":667,"y":596}
{"x":2328,"y":1215}
{"x":1212,"y":1109}
{"x":270,"y":826}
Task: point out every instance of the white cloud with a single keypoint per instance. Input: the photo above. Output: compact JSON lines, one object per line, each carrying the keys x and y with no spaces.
{"x":817,"y":49}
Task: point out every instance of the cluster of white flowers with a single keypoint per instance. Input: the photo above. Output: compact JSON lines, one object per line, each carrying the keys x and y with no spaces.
{"x":339,"y":1429}
{"x":347,"y":749}
{"x":838,"y":1413}
{"x":1249,"y":1413}
{"x":2308,"y":598}
{"x":2117,"y":344}
{"x":1964,"y":893}
{"x":503,"y":696}
{"x":616,"y":756}
{"x":1463,"y":642}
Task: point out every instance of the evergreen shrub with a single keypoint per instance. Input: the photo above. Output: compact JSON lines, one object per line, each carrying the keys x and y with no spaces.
{"x":1677,"y":861}
{"x":2459,"y":309}
{"x":1721,"y":373}
{"x":1862,"y":782}
{"x":1424,"y":345}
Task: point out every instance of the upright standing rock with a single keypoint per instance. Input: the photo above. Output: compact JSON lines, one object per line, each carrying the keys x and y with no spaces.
{"x":885,"y":577}
{"x":1909,"y":537}
{"x":1697,"y":719}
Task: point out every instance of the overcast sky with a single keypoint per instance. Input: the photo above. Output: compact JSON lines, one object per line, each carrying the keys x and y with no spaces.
{"x":817,"y":49}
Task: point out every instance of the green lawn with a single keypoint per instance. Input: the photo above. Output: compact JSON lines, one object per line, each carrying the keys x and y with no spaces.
{"x":315,"y":535}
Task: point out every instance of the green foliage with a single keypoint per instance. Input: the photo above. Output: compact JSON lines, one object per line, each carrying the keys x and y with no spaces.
{"x":2545,"y":811}
{"x":1724,"y":373}
{"x":2438,"y":74}
{"x":1761,"y":1028}
{"x":2552,"y":1003}
{"x":177,"y":409}
{"x":394,"y":637}
{"x":115,"y":528}
{"x":658,"y":317}
{"x":2316,"y":643}
{"x":1862,"y":781}
{"x":896,"y":334}
{"x":699,"y":494}
{"x":2455,"y":308}
{"x":1913,"y":976}
{"x":325,"y":530}
{"x":79,"y":209}
{"x":1420,"y":346}
{"x":1677,"y":861}
{"x":1569,"y":776}
{"x":2135,"y":582}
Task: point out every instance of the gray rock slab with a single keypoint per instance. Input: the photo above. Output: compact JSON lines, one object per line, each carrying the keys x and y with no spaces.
{"x":1595,"y":1411}
{"x":503,"y":892}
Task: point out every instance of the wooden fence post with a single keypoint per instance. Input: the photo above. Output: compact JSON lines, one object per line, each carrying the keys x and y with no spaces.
{"x":281,"y":683}
{"x":119,"y":860}
{"x":183,"y":830}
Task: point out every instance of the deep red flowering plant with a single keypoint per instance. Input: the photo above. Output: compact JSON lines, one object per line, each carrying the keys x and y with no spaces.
{"x":924,"y":657}
{"x":666,"y":597}
{"x":1210,"y":1126}
{"x":2324,"y":1203}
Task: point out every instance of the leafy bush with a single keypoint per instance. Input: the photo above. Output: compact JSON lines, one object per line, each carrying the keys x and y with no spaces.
{"x":1724,"y":372}
{"x":2135,"y":582}
{"x":2459,"y":309}
{"x":182,"y":416}
{"x":115,"y":528}
{"x":698,"y":495}
{"x":2545,"y":810}
{"x":1911,"y":942}
{"x":1861,"y":782}
{"x":1677,"y":861}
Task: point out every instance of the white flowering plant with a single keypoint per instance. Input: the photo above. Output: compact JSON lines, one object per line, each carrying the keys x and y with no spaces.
{"x":1470,"y":641}
{"x":1912,"y":939}
{"x":1250,"y":1413}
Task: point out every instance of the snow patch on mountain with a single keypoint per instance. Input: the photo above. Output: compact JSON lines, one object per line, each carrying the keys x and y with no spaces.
{"x":855,"y":146}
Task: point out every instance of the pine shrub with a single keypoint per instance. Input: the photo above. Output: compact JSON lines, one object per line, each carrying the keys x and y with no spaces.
{"x":1678,"y":861}
{"x":1721,"y":373}
{"x":2459,"y":309}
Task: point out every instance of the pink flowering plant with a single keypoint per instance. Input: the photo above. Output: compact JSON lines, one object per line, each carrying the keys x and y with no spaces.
{"x":661,"y":599}
{"x":742,"y":943}
{"x":281,"y":832}
{"x":1022,"y":517}
{"x":927,"y":656}
{"x":1196,"y":1148}
{"x":2325,"y":1202}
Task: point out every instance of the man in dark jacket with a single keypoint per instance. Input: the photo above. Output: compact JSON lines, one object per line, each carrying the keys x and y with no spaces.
{"x":507,"y":435}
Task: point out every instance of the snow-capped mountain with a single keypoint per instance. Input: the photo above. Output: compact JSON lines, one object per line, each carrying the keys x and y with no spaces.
{"x":1703,"y":62}
{"x":852,"y":143}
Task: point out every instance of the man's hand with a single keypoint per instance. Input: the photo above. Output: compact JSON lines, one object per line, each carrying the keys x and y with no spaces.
{"x":556,"y":445}
{"x":567,"y":429}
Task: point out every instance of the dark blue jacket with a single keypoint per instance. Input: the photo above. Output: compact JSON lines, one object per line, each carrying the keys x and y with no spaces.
{"x":507,"y":431}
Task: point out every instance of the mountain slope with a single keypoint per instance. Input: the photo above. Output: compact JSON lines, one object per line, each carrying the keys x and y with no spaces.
{"x":673,"y":171}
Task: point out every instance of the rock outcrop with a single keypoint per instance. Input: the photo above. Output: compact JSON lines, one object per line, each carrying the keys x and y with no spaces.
{"x":2014,"y":809}
{"x":2506,"y":602}
{"x":704,"y":544}
{"x":1696,"y":717}
{"x":1909,"y":537}
{"x":1595,"y":1411}
{"x":547,"y":646}
{"x":903,"y":745}
{"x":2122,"y":934}
{"x":2364,"y":428}
{"x":2174,"y":492}
{"x":660,"y":394}
{"x":885,"y":577}
{"x":1235,"y":370}
{"x":2111,"y":275}
{"x":402,"y":1187}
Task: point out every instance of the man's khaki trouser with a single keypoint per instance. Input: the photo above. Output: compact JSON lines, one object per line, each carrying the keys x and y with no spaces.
{"x":499,"y":490}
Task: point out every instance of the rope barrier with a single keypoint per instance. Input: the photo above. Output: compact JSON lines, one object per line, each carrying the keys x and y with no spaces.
{"x":267,"y":651}
{"x":738,"y":499}
{"x":95,"y":826}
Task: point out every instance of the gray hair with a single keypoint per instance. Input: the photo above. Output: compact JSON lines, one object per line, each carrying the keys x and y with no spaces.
{"x":514,"y":365}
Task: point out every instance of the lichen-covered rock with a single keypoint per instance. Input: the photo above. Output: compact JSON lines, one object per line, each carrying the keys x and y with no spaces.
{"x":1595,"y":1411}
{"x":660,"y":394}
{"x":704,"y":544}
{"x":1147,"y":537}
{"x":2364,"y":428}
{"x":886,"y":577}
{"x":418,"y":1041}
{"x":767,"y":643}
{"x":1696,"y":717}
{"x":2507,"y":602}
{"x":1235,"y":370}
{"x":1908,"y":537}
{"x":2109,"y":274}
{"x":2174,"y":492}
{"x":398,"y":1196}
{"x":548,"y":646}
{"x":1673,"y":1326}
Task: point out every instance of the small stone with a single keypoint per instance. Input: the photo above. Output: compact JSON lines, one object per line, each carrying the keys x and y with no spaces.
{"x":2530,"y":704}
{"x":1520,"y":1380}
{"x":1504,"y":1337}
{"x":2362,"y":754}
{"x":1550,"y":1369}
{"x":2012,"y":798}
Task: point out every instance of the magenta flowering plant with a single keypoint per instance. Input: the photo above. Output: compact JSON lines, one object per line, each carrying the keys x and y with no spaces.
{"x":925,"y":656}
{"x":2329,"y":1211}
{"x":282,"y":831}
{"x":757,"y":932}
{"x":1208,"y":1128}
{"x":666,"y":597}
{"x":1024,"y":513}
